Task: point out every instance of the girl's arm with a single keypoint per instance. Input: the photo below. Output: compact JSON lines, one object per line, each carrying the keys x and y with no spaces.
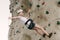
{"x":28,"y":13}
{"x":28,"y":16}
{"x":13,"y":17}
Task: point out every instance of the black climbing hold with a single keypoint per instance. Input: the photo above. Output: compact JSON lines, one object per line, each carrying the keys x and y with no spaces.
{"x":59,"y":2}
{"x":12,"y":28}
{"x":38,"y":6}
{"x":16,"y":2}
{"x":22,"y":6}
{"x":39,"y":39}
{"x":58,"y":22}
{"x":38,"y":16}
{"x":17,"y":31}
{"x":54,"y":32}
{"x":12,"y":11}
{"x":47,"y":12}
{"x":50,"y":35}
{"x":48,"y":24}
{"x":30,"y":4}
{"x":44,"y":35}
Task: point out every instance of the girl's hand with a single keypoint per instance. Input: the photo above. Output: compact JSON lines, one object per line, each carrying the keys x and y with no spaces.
{"x":13,"y":17}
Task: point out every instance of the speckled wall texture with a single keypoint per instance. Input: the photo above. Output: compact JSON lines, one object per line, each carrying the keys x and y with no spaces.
{"x":44,"y":12}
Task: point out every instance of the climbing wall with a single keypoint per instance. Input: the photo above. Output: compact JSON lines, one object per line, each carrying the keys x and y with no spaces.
{"x":44,"y":12}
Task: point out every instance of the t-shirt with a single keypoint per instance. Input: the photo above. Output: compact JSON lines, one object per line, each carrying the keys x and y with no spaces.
{"x":23,"y":20}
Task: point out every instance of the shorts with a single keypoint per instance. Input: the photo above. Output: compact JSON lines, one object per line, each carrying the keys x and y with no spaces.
{"x":32,"y":25}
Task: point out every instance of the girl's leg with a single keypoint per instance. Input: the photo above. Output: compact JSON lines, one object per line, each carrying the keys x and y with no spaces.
{"x":39,"y":27}
{"x":38,"y":31}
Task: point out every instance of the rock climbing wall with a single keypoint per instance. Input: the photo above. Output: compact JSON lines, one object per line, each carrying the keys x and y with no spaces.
{"x":44,"y":12}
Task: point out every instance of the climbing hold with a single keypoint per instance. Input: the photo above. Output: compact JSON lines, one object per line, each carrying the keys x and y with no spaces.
{"x":44,"y":35}
{"x":12,"y":6}
{"x":54,"y":32}
{"x":30,"y":4}
{"x":38,"y":16}
{"x":47,"y":12}
{"x":16,"y":2}
{"x":59,"y":2}
{"x":43,"y":3}
{"x":39,"y":39}
{"x":58,"y":22}
{"x":38,"y":6}
{"x":22,"y":6}
{"x":12,"y":28}
{"x":11,"y":10}
{"x":17,"y":31}
{"x":48,"y":24}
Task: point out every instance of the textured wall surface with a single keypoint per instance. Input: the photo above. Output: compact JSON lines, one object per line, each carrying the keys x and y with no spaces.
{"x":44,"y":12}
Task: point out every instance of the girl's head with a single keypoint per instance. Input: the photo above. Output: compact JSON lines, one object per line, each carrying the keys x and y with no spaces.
{"x":20,"y":12}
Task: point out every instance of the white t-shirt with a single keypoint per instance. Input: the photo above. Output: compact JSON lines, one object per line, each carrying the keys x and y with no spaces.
{"x":24,"y":19}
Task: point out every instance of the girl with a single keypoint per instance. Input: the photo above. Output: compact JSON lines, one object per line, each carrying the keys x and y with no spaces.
{"x":30,"y":24}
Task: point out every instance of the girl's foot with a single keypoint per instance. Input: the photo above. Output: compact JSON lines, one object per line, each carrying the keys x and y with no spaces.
{"x":50,"y":35}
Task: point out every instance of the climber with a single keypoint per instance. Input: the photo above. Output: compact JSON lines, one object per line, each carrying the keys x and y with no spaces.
{"x":29,"y":23}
